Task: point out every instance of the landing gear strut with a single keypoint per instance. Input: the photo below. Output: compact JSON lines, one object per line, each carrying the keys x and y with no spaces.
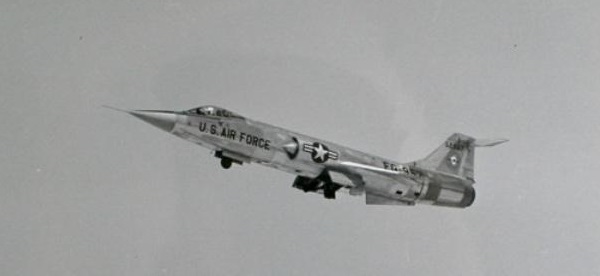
{"x":329,"y":188}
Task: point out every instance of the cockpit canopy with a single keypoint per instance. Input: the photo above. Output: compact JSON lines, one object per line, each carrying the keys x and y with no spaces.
{"x":213,"y":111}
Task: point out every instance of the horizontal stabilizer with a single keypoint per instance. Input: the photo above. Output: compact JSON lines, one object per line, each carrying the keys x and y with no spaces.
{"x":489,"y":142}
{"x":456,"y":156}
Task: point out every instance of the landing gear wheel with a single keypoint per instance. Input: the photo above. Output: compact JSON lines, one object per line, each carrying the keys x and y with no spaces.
{"x":226,"y":163}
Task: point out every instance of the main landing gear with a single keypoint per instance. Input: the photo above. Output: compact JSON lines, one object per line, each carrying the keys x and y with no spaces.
{"x":323,"y":182}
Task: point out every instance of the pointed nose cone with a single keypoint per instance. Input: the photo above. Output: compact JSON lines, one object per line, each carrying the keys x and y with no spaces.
{"x":164,"y":120}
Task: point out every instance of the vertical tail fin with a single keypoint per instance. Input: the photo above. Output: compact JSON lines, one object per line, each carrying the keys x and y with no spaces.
{"x":456,"y":156}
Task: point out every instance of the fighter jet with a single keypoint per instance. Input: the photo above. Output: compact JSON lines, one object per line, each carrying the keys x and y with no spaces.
{"x":443,"y":178}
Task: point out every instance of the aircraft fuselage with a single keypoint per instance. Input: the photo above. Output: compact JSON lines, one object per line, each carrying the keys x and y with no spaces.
{"x":246,"y":140}
{"x":444,"y":177}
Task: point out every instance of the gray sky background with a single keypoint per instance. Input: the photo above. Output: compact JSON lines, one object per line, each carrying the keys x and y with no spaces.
{"x":87,"y":191}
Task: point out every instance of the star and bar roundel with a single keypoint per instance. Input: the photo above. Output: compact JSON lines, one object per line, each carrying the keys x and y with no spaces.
{"x":319,"y":152}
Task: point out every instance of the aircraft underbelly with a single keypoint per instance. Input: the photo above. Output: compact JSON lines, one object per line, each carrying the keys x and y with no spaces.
{"x":300,"y":155}
{"x":388,"y":189}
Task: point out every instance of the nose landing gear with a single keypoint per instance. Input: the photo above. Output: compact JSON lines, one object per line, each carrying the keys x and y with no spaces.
{"x":226,"y":162}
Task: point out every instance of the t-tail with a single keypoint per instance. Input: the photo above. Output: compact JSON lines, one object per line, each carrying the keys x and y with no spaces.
{"x":449,"y":171}
{"x":456,"y":156}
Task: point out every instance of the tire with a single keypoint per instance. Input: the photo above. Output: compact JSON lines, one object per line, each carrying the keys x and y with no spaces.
{"x":226,"y":163}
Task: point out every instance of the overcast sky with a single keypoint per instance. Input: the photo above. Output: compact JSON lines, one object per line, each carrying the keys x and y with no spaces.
{"x":88,"y":191}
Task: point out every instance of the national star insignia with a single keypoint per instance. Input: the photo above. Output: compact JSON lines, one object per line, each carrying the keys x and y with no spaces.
{"x":320,"y":152}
